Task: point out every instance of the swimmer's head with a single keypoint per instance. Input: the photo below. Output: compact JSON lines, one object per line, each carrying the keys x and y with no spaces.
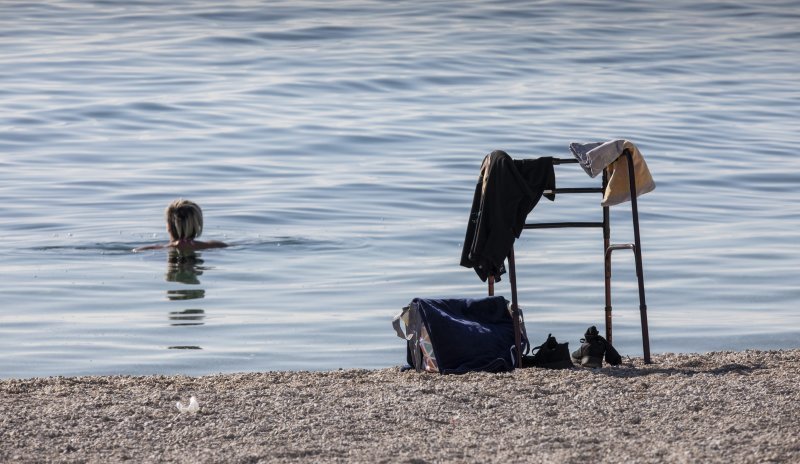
{"x":184,"y":220}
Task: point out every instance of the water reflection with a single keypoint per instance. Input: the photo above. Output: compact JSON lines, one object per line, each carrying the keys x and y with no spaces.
{"x":185,"y":268}
{"x":187,"y":294}
{"x":187,"y":317}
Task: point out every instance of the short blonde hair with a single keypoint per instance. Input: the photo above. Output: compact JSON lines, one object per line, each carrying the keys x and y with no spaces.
{"x":184,"y":220}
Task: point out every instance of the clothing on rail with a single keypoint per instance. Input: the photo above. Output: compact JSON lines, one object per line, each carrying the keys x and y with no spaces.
{"x":506,"y":192}
{"x":594,"y":157}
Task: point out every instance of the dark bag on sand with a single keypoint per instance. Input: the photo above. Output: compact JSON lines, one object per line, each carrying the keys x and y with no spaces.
{"x":549,"y":355}
{"x":454,"y":336}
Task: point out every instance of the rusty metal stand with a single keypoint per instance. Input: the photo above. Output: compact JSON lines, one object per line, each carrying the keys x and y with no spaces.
{"x":608,"y":248}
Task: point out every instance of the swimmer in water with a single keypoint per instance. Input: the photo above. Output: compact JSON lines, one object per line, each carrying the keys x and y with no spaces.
{"x":184,"y":225}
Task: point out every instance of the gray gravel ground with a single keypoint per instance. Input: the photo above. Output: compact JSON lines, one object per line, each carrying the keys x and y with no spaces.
{"x":716,"y":407}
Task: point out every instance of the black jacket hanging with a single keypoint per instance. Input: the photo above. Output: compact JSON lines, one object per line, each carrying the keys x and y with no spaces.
{"x":507,"y":191}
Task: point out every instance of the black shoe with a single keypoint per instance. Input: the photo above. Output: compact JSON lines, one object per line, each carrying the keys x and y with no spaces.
{"x":550,"y":355}
{"x":592,"y":350}
{"x":612,"y":355}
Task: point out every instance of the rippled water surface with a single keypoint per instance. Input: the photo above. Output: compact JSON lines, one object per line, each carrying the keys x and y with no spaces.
{"x":336,"y":145}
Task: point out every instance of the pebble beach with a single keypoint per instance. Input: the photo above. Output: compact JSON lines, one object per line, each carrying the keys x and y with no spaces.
{"x":732,"y":407}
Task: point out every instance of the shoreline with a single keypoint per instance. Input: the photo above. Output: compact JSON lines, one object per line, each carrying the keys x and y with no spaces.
{"x":733,"y":407}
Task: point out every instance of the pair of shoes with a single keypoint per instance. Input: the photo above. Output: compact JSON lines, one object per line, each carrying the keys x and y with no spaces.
{"x":550,"y":355}
{"x":593,"y":348}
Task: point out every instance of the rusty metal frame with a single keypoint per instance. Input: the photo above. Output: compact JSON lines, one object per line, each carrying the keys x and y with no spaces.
{"x":608,"y":248}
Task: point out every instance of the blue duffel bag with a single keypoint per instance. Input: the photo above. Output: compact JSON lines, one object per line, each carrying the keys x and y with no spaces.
{"x":458,"y":335}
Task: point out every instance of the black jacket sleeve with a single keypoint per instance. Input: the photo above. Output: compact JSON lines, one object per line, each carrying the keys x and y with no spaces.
{"x":506,"y":193}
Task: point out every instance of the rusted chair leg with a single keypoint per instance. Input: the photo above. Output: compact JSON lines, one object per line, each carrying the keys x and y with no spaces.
{"x":637,"y":252}
{"x":512,"y":279}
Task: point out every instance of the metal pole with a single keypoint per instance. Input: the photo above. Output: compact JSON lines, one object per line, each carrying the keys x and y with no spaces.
{"x":607,"y":258}
{"x":512,"y":278}
{"x":637,"y":251}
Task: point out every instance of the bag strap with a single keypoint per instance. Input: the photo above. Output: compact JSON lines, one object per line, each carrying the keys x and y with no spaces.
{"x":526,"y":343}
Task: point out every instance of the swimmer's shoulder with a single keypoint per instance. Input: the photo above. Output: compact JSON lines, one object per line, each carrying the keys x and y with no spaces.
{"x":210,"y":244}
{"x":195,"y":245}
{"x":149,"y":247}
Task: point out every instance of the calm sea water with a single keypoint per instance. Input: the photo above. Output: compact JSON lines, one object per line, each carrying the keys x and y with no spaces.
{"x":336,"y":145}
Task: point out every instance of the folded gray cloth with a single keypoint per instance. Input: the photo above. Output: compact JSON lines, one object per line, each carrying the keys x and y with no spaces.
{"x":594,"y":157}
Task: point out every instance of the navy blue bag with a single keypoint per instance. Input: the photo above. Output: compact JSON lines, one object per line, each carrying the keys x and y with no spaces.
{"x":454,"y":336}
